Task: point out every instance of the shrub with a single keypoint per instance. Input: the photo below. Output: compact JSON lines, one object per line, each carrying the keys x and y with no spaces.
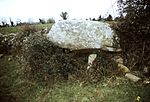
{"x":109,"y":18}
{"x":29,"y":29}
{"x":42,"y":58}
{"x":42,"y":21}
{"x":6,"y":43}
{"x":64,"y":15}
{"x":104,"y":65}
{"x":134,"y":33}
{"x":50,"y":20}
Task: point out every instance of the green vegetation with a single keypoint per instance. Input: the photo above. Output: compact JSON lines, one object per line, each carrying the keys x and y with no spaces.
{"x":7,"y":30}
{"x":18,"y":29}
{"x":134,"y":33}
{"x":15,"y":87}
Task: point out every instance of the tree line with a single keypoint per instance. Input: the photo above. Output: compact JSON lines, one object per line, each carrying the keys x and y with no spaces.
{"x":63,"y":15}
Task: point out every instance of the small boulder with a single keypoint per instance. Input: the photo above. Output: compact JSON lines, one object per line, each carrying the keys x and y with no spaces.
{"x":1,"y":55}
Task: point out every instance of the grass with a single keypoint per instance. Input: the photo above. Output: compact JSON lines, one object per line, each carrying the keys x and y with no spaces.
{"x":18,"y":29}
{"x":124,"y":91}
{"x":16,"y":88}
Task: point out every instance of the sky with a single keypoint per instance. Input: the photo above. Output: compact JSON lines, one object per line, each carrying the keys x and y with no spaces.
{"x":32,"y":10}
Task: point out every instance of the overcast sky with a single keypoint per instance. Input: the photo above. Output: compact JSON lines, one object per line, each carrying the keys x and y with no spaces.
{"x":34,"y":9}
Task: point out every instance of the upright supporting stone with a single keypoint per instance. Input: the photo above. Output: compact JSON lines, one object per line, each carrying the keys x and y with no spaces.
{"x":91,"y":58}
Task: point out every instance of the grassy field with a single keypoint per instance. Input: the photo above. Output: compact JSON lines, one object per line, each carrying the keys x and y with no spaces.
{"x":18,"y":29}
{"x":15,"y":88}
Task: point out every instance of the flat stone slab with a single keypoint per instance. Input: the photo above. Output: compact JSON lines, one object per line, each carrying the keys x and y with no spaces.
{"x":81,"y":34}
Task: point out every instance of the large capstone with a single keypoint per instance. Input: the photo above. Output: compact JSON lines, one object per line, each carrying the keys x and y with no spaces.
{"x":81,"y":34}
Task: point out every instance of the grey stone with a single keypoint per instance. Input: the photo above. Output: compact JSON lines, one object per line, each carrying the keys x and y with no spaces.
{"x":1,"y":55}
{"x":81,"y":34}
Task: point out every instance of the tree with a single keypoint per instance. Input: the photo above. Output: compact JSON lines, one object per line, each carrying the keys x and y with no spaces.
{"x":64,"y":15}
{"x":11,"y":23}
{"x":51,"y":20}
{"x":18,"y":22}
{"x":4,"y":24}
{"x":109,"y":18}
{"x":42,"y":21}
{"x":99,"y":18}
{"x":120,"y":18}
{"x":134,"y":32}
{"x":93,"y":19}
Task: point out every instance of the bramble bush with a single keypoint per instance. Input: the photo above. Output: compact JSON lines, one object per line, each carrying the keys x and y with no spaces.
{"x":45,"y":59}
{"x":134,"y":33}
{"x":6,"y":43}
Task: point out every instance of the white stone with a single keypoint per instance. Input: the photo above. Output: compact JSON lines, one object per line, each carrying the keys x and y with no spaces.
{"x":81,"y":34}
{"x":91,"y":58}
